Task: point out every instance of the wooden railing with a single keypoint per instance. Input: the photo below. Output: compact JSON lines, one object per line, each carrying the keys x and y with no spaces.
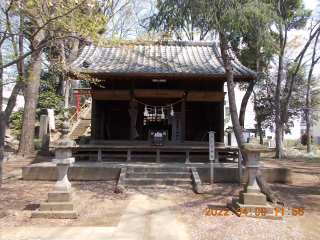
{"x":81,"y":112}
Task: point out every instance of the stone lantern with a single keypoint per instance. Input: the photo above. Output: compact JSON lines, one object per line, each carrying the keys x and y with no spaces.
{"x":251,"y":201}
{"x":62,"y":200}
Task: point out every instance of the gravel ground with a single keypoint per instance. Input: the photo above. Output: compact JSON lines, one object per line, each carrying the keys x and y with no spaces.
{"x":105,"y":207}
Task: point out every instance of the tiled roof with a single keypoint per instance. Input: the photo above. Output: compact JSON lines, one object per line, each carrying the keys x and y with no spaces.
{"x":188,"y":58}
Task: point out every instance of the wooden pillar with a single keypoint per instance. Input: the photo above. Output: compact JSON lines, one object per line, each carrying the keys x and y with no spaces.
{"x":93,"y":119}
{"x":102,"y":123}
{"x":108,"y":123}
{"x":183,"y":120}
{"x":158,"y":156}
{"x":129,"y":155}
{"x":222,"y":121}
{"x":132,"y":120}
{"x":99,"y":155}
{"x":187,"y":156}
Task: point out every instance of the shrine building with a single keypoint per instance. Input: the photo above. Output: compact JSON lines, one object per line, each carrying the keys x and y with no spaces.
{"x":175,"y":90}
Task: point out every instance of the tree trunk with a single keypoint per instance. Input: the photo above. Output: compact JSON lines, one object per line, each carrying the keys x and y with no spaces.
{"x":73,"y":98}
{"x":279,"y":123}
{"x":265,"y":189}
{"x":6,"y":113}
{"x":307,"y":112}
{"x":2,"y":131}
{"x":230,"y":85}
{"x":2,"y":142}
{"x":26,"y":146}
{"x":244,"y":103}
{"x":4,"y":118}
{"x":280,"y":153}
{"x":247,"y":95}
{"x":74,"y":83}
{"x":1,"y":83}
{"x":261,"y":135}
{"x":66,"y":100}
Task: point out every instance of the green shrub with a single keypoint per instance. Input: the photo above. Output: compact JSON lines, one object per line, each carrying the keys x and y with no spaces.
{"x":37,"y":144}
{"x":49,"y":100}
{"x":16,"y":119}
{"x":16,"y":134}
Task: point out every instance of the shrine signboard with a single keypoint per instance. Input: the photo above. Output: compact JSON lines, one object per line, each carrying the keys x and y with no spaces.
{"x":158,"y":137}
{"x":211,"y":146}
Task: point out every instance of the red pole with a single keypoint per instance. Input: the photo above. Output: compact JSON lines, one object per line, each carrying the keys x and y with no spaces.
{"x":77,"y":107}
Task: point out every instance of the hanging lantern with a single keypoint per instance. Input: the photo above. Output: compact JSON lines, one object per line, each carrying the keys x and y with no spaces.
{"x":172,"y":112}
{"x":146,"y":114}
{"x":162,"y":113}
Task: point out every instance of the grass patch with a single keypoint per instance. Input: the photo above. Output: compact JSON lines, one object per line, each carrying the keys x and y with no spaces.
{"x":315,"y":159}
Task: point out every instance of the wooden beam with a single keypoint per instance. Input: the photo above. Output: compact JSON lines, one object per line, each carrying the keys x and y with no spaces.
{"x":160,"y":93}
{"x":202,"y":96}
{"x":111,"y":94}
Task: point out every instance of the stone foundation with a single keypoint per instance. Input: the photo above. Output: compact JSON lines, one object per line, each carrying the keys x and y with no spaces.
{"x":91,"y":171}
{"x":61,"y":204}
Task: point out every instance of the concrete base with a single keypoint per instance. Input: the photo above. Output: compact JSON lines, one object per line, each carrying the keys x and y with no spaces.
{"x":61,"y":204}
{"x":252,"y":198}
{"x":60,"y":214}
{"x":253,"y":211}
{"x":92,"y":171}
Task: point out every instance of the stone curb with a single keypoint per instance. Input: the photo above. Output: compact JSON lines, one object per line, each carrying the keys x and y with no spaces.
{"x":196,"y":181}
{"x":12,"y":174}
{"x":120,"y":186}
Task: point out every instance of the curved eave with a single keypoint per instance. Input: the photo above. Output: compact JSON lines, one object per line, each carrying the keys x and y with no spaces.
{"x":171,"y":76}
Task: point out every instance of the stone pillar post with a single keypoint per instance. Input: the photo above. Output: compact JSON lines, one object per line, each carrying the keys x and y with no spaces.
{"x":212,"y":155}
{"x":43,"y":129}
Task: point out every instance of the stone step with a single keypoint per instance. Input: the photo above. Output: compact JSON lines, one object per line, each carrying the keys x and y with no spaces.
{"x":158,"y":169}
{"x":158,"y":175}
{"x":187,"y":186}
{"x":77,"y":133}
{"x":157,"y":181}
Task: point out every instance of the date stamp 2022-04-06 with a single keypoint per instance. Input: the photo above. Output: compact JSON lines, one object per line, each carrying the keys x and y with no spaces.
{"x":257,"y":212}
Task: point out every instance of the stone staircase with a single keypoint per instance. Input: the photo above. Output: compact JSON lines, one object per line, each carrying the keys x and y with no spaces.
{"x":81,"y":128}
{"x":149,"y":177}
